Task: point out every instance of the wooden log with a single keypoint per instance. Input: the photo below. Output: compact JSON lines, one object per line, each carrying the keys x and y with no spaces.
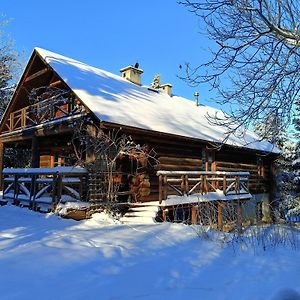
{"x":37,"y":74}
{"x":178,"y":167}
{"x":179,"y":160}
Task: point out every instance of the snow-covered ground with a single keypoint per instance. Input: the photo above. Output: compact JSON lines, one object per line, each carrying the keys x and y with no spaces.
{"x":46,"y":257}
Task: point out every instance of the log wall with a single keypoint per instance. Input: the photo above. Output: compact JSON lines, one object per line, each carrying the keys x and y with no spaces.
{"x":181,"y":155}
{"x":237,"y":161}
{"x":171,"y":155}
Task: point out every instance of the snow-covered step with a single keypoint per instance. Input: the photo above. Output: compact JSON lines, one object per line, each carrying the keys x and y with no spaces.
{"x":141,"y":213}
{"x":137,"y":220}
{"x":144,"y":213}
{"x":143,"y":208}
{"x":151,"y":203}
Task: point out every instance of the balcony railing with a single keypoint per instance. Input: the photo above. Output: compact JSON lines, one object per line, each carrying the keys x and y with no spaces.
{"x":41,"y":112}
{"x":187,"y":183}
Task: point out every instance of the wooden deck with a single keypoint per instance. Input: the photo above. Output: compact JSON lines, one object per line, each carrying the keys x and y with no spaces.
{"x":191,"y":188}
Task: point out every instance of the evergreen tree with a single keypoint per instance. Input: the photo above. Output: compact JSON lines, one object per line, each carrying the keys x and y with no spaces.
{"x":296,"y":162}
{"x":272,"y":131}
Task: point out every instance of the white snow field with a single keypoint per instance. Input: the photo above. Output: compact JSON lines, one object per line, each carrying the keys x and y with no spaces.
{"x":45,"y":257}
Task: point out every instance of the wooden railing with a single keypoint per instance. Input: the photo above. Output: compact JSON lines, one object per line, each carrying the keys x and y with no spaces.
{"x":41,"y":112}
{"x":186,"y":183}
{"x":43,"y":186}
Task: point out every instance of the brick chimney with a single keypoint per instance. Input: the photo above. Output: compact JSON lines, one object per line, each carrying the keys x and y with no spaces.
{"x":132,"y":74}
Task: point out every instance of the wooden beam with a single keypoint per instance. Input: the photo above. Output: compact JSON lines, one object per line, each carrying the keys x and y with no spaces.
{"x":220,"y":215}
{"x":56,"y":83}
{"x":37,"y":74}
{"x":35,"y":153}
{"x":194,"y":214}
{"x":1,"y":164}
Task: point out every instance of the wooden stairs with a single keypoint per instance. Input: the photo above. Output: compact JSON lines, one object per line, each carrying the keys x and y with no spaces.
{"x":141,"y":213}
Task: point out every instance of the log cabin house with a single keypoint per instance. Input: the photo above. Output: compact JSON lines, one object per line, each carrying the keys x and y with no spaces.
{"x":194,"y":165}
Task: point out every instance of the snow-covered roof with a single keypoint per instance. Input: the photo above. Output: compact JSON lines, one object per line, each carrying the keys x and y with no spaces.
{"x":114,"y":99}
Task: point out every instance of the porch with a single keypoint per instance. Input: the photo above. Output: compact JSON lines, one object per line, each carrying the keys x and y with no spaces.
{"x":179,"y":191}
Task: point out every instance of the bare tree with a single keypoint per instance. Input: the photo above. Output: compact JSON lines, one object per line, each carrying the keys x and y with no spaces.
{"x":256,"y":51}
{"x":102,"y":154}
{"x":9,"y":67}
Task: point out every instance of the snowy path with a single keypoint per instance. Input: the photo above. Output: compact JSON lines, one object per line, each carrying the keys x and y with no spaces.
{"x":45,"y":257}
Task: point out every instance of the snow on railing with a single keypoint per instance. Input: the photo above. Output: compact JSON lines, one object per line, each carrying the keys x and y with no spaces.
{"x":186,"y":183}
{"x":41,"y":112}
{"x":43,"y":186}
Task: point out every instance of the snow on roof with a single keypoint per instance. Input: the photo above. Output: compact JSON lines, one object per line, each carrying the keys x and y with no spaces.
{"x":114,"y":99}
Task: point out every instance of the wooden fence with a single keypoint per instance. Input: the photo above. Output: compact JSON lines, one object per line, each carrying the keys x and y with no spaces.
{"x":43,"y":186}
{"x":190,"y":182}
{"x":225,"y":188}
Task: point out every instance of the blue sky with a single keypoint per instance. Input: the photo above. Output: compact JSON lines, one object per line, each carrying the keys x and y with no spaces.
{"x":160,"y":35}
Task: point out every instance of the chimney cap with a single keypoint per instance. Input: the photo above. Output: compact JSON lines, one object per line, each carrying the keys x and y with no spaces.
{"x":140,"y":71}
{"x":167,"y":84}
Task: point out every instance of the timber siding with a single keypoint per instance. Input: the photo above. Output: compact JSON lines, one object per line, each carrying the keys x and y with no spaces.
{"x":179,"y":154}
{"x":233,"y":160}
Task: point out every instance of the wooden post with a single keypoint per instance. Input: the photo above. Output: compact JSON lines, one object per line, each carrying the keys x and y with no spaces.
{"x":11,"y":122}
{"x":224,"y":184}
{"x":35,"y":153}
{"x":205,"y":189}
{"x":202,"y":184}
{"x":59,"y":188}
{"x":165,"y":214}
{"x":23,"y":117}
{"x":160,"y":189}
{"x":54,"y":189}
{"x":16,"y":189}
{"x":33,"y":188}
{"x":239,"y":216}
{"x":186,"y":181}
{"x":220,"y":215}
{"x":1,"y":165}
{"x":237,"y":184}
{"x":194,"y":214}
{"x":80,"y":187}
{"x":182,"y":185}
{"x":165,"y":187}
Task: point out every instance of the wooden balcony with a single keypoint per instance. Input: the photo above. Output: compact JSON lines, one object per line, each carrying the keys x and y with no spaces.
{"x":38,"y":187}
{"x":41,"y":112}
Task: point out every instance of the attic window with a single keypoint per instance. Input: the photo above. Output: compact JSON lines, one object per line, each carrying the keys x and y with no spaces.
{"x":124,"y":75}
